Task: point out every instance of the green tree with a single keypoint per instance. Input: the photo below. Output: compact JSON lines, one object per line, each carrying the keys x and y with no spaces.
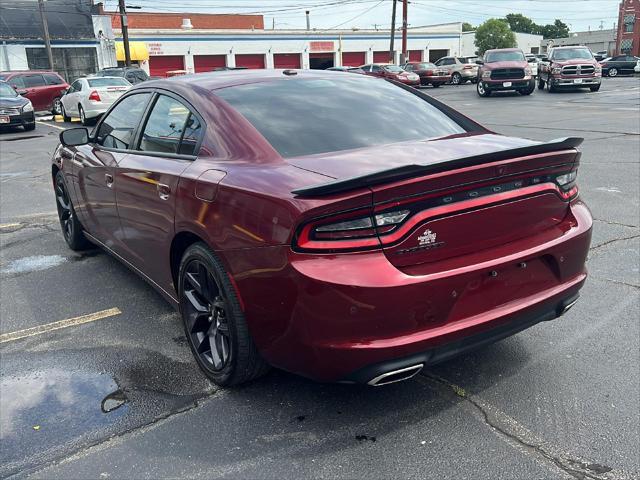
{"x":558,"y":29}
{"x":519,"y":23}
{"x":467,"y":27}
{"x":494,"y":33}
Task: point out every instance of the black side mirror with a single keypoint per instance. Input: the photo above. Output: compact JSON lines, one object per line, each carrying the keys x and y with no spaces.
{"x":74,"y":137}
{"x":479,"y":62}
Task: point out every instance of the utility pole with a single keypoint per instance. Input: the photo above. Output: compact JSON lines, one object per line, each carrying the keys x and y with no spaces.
{"x":404,"y":32}
{"x":45,"y":32}
{"x":125,"y":32}
{"x":393,"y":32}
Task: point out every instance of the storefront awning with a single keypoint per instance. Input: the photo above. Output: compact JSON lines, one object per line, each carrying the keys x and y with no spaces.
{"x":138,"y":51}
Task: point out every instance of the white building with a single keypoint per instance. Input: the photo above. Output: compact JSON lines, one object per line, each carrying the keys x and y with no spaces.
{"x":197,"y":50}
{"x":526,"y":42}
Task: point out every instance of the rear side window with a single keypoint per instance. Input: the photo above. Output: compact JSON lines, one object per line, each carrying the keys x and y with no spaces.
{"x":308,"y":116}
{"x":33,"y":81}
{"x":169,"y":125}
{"x":117,"y":129}
{"x":52,"y":79}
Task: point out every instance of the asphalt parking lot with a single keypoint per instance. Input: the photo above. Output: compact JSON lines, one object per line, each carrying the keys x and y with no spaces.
{"x":114,"y":391}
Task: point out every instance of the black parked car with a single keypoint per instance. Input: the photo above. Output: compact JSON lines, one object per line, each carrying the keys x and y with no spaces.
{"x":132,"y":74}
{"x":619,"y":65}
{"x":15,"y":110}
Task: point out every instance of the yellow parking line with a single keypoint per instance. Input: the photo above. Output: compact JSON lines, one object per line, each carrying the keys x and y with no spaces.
{"x":9,"y":225}
{"x":49,"y":327}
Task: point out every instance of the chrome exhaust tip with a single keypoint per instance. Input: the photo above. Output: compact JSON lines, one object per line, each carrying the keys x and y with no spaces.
{"x":566,"y":308}
{"x":395,"y":375}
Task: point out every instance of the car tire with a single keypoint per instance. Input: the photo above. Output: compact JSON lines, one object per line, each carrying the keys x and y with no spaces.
{"x":540,"y":83}
{"x":551,"y":88}
{"x":224,"y":350}
{"x":595,"y":88}
{"x":83,"y":118}
{"x":30,"y":127}
{"x":612,"y":72}
{"x":56,"y":106}
{"x":474,"y":80}
{"x":436,"y":84}
{"x":456,"y":78}
{"x":72,"y":230}
{"x":65,"y":117}
{"x":483,"y":92}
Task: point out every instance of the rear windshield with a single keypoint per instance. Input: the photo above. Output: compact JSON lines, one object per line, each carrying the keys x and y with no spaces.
{"x":110,"y":73}
{"x":108,"y":82}
{"x":467,"y":59}
{"x":504,"y":57}
{"x":571,"y":53}
{"x":307,"y":116}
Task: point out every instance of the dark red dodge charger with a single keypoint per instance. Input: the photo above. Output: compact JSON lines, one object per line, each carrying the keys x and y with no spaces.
{"x":299,"y":219}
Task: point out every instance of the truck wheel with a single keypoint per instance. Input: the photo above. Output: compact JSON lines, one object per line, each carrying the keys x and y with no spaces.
{"x":595,"y":88}
{"x":540,"y":83}
{"x":483,"y":92}
{"x":550,"y":87}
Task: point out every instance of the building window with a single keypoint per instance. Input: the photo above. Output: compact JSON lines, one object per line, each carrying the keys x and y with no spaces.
{"x":626,"y":46}
{"x":70,"y":63}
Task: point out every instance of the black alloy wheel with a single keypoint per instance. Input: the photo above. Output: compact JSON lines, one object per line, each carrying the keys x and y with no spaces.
{"x":206,"y":310}
{"x":214,"y":322}
{"x":71,"y":227}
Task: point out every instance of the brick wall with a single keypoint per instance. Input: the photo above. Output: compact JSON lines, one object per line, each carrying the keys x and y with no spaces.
{"x":198,"y":20}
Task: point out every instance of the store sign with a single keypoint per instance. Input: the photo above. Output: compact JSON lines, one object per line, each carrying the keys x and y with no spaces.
{"x":155,"y":48}
{"x":321,"y":46}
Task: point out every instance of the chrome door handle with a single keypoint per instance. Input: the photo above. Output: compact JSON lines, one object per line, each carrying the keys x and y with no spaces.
{"x":163,"y":191}
{"x":108,"y":178}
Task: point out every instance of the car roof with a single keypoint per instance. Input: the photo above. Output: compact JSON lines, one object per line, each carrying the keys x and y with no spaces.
{"x":566,"y":47}
{"x":14,"y":72}
{"x":228,"y":78}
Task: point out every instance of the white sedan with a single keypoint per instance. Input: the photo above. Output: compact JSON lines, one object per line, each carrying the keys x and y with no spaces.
{"x":88,"y":98}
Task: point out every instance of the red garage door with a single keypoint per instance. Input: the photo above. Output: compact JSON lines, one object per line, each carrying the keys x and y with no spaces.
{"x":415,"y":55}
{"x":160,"y":65}
{"x":382,"y":57}
{"x":354,"y":59}
{"x":208,"y":63}
{"x":286,"y":60}
{"x":250,"y":60}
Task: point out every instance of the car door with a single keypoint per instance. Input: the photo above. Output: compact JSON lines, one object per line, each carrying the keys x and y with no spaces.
{"x":34,"y":89}
{"x":70,"y":99}
{"x":94,"y":165}
{"x":147,"y":181}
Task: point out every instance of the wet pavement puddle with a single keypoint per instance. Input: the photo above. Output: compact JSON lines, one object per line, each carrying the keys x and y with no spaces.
{"x":54,"y":406}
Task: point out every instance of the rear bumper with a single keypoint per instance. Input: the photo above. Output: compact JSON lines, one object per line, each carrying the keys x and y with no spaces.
{"x":549,"y":310}
{"x":333,"y":317}
{"x":93,"y":110}
{"x":426,"y":79}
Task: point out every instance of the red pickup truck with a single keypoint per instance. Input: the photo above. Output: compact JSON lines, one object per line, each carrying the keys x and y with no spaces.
{"x":504,"y":69}
{"x":570,"y":67}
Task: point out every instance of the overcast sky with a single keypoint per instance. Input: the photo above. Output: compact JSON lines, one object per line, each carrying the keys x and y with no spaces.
{"x":579,"y":14}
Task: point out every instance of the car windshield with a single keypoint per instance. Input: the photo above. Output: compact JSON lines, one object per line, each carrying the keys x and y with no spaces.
{"x":110,"y":73}
{"x":309,"y":116}
{"x":511,"y":56}
{"x":393,"y":69}
{"x":6,"y":91}
{"x":108,"y":82}
{"x":571,"y":53}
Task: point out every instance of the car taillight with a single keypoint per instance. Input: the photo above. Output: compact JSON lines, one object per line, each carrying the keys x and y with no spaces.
{"x":94,"y":96}
{"x":567,"y":184}
{"x":355,"y":233}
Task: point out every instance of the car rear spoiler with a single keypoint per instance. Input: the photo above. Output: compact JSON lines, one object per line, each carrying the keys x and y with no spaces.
{"x":410,"y":171}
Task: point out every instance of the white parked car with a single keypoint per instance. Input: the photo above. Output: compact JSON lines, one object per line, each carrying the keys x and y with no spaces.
{"x":533,"y":63}
{"x":88,"y":98}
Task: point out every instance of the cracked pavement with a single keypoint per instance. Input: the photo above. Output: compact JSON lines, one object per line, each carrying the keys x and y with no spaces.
{"x":121,"y":397}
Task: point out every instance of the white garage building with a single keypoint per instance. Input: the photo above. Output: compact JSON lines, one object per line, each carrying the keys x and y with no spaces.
{"x":196,"y":50}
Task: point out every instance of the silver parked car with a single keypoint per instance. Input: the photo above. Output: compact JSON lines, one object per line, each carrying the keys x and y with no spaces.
{"x":461,"y":69}
{"x":88,"y":98}
{"x":533,"y":63}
